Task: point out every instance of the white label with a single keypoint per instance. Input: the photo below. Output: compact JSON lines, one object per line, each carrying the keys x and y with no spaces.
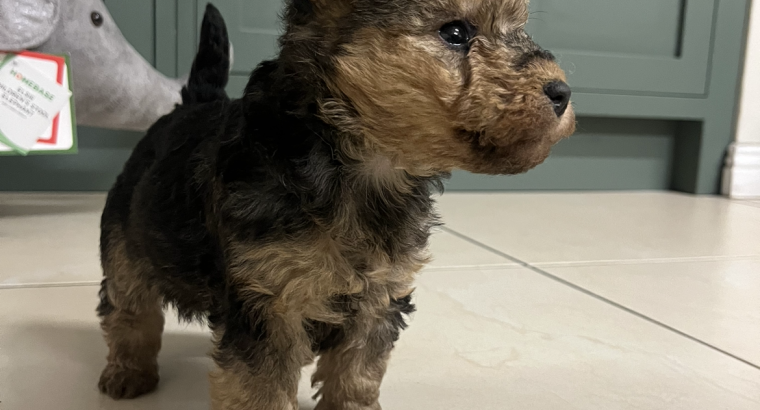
{"x":28,"y":103}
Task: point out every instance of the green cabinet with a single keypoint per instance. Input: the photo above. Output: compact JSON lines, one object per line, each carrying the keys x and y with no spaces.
{"x":624,"y":47}
{"x":254,"y":26}
{"x":655,"y":87}
{"x":652,"y":47}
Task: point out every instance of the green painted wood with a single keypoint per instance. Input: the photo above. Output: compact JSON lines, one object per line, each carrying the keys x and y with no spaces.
{"x":641,"y":28}
{"x":686,"y":153}
{"x":605,"y":154}
{"x":102,"y":154}
{"x":136,"y":20}
{"x":187,"y":35}
{"x":703,"y":174}
{"x":236,"y":85}
{"x":166,"y":37}
{"x":628,"y":46}
{"x":639,"y":106}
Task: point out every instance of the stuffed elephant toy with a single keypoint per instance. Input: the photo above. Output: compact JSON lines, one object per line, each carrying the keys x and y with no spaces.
{"x":114,"y":87}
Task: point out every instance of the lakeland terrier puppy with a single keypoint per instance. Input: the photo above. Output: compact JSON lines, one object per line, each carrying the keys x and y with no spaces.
{"x":294,"y":219}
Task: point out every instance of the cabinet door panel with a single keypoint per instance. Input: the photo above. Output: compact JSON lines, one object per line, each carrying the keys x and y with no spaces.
{"x":606,"y":46}
{"x":628,"y":47}
{"x":253,"y":27}
{"x":130,"y":17}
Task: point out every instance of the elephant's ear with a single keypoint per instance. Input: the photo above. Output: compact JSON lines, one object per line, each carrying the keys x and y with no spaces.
{"x":26,"y":24}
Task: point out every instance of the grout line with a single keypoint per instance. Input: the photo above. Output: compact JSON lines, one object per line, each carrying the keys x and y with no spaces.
{"x":509,"y":265}
{"x":48,"y":285}
{"x":601,"y":298}
{"x":653,"y":261}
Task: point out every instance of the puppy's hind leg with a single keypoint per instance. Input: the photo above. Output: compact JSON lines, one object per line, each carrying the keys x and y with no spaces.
{"x":132,"y":321}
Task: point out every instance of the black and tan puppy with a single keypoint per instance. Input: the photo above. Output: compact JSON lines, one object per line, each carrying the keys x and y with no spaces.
{"x":294,"y":220}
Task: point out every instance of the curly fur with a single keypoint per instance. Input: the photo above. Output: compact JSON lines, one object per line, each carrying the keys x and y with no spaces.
{"x":294,"y":220}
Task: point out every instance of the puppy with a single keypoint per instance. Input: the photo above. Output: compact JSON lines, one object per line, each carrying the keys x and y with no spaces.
{"x":293,"y":220}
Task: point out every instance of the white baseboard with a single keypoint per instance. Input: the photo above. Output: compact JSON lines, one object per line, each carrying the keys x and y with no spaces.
{"x":741,"y":175}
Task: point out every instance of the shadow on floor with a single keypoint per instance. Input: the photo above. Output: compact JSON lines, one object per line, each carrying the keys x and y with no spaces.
{"x":53,"y":366}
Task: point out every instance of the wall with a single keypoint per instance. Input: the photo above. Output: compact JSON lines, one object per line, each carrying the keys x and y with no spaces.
{"x":741,"y":176}
{"x":748,"y":129}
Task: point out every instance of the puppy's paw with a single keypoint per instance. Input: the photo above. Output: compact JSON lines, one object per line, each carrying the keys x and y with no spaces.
{"x":122,"y":383}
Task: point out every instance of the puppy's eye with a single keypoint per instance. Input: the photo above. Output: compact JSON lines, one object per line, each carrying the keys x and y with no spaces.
{"x":456,"y":33}
{"x":97,"y":18}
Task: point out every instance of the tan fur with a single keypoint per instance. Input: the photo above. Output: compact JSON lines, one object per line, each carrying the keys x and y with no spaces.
{"x":273,"y":384}
{"x":349,"y":375}
{"x":301,"y":277}
{"x":133,"y":330}
{"x":404,"y":105}
{"x":494,"y":17}
{"x":304,"y":275}
{"x":410,"y":100}
{"x":340,"y":259}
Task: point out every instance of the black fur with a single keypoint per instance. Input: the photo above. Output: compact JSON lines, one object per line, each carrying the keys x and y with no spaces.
{"x":211,"y":67}
{"x":258,"y":169}
{"x":104,"y":307}
{"x":294,"y":219}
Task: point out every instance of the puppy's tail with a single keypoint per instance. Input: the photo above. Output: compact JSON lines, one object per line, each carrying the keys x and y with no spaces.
{"x":211,"y":67}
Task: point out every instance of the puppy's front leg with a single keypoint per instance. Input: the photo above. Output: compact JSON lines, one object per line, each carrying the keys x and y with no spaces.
{"x":258,"y":365}
{"x":350,"y":373}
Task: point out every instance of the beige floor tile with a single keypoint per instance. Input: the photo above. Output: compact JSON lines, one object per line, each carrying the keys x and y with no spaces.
{"x":582,"y":227}
{"x":450,"y":251}
{"x":514,"y":339}
{"x":506,"y":338}
{"x":53,"y":239}
{"x":51,"y":355}
{"x":715,"y":301}
{"x":49,"y":238}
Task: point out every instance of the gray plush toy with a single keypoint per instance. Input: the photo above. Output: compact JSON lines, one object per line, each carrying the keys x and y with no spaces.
{"x":114,"y":87}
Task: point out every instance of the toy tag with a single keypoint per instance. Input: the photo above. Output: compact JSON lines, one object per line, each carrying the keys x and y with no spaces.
{"x":29,"y":101}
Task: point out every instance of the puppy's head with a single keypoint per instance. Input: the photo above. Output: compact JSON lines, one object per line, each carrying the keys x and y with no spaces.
{"x":435,"y":85}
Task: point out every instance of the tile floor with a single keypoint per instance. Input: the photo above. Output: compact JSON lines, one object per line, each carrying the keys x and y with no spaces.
{"x":535,"y":301}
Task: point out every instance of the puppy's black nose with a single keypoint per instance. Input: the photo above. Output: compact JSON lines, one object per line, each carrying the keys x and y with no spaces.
{"x":559,"y":92}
